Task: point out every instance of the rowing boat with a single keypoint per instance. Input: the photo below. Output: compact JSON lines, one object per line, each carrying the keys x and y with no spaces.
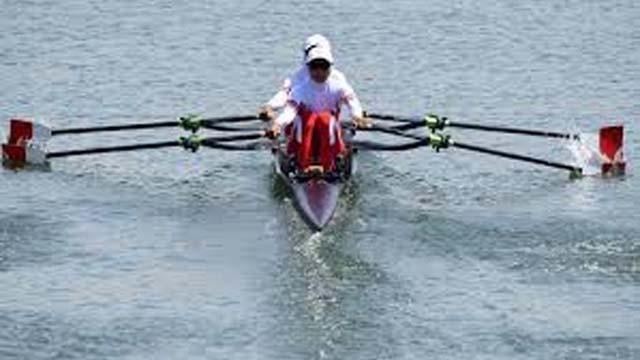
{"x":315,"y":197}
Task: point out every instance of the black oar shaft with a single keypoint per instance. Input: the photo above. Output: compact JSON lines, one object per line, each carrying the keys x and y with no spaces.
{"x":409,"y":123}
{"x":392,"y":118}
{"x":369,"y":145}
{"x":393,"y":131}
{"x":409,"y":126}
{"x":231,"y":119}
{"x":136,"y":126}
{"x":225,"y":128}
{"x":219,"y":142}
{"x":108,"y":149}
{"x":510,"y":130}
{"x":251,"y":146}
{"x":228,"y":138}
{"x":513,"y":156}
{"x":500,"y":129}
{"x":208,"y":122}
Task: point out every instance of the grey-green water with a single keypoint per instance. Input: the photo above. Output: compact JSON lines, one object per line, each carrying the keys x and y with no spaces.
{"x":166,"y":254}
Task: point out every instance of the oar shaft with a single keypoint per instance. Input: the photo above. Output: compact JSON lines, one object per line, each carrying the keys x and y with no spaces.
{"x":513,"y":156}
{"x":386,"y":117}
{"x":501,"y":129}
{"x":394,"y":131}
{"x":191,"y":143}
{"x":511,"y":130}
{"x":226,"y":128}
{"x":228,"y":138}
{"x":208,"y":122}
{"x":109,"y":149}
{"x":369,"y":145}
{"x":230,"y":119}
{"x":135,"y":126}
{"x":251,"y":146}
{"x":437,"y":123}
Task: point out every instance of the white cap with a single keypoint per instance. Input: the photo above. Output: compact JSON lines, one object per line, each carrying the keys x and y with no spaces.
{"x":316,"y":40}
{"x":319,"y":53}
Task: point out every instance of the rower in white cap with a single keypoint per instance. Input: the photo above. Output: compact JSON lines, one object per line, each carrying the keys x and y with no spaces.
{"x":315,"y":104}
{"x":279,"y":100}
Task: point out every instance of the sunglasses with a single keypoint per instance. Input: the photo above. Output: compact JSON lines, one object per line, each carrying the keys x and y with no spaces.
{"x":319,"y":64}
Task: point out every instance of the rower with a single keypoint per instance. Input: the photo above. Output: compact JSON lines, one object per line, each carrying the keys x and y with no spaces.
{"x":315,"y":106}
{"x":279,"y":100}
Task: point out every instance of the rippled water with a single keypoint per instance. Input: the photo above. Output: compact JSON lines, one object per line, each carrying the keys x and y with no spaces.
{"x":166,"y":254}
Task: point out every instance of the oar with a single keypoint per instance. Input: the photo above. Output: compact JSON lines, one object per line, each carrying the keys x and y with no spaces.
{"x":375,"y":146}
{"x":108,"y":149}
{"x":189,"y":122}
{"x":433,"y":140}
{"x":192,"y":143}
{"x":574,"y":170}
{"x":226,"y":128}
{"x":435,"y":122}
{"x":441,"y":142}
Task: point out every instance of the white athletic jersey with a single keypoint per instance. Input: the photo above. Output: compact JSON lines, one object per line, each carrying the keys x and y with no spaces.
{"x":318,"y":97}
{"x":279,"y":100}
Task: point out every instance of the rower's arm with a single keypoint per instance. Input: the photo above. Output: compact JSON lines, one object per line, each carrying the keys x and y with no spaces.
{"x":287,"y":115}
{"x":279,"y":100}
{"x":350,"y":98}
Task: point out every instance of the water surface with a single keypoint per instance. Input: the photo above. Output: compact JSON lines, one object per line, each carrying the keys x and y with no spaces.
{"x":167,"y":254}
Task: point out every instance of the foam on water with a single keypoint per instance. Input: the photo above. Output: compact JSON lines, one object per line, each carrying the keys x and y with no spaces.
{"x":586,"y":154}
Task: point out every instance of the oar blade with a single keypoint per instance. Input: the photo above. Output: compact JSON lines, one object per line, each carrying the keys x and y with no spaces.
{"x":26,"y":143}
{"x":612,"y":150}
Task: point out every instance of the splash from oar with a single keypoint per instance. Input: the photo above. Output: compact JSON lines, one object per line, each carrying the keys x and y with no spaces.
{"x":600,"y":154}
